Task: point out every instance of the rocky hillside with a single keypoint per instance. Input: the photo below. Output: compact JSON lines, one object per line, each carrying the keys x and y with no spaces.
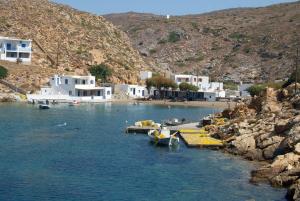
{"x":248,"y":44}
{"x":76,"y":39}
{"x":268,"y":129}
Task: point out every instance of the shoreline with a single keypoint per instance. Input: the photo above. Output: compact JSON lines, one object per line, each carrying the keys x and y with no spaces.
{"x":220,"y":105}
{"x":205,"y":104}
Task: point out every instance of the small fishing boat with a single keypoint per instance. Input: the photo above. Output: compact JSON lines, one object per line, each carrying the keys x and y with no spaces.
{"x":175,"y":122}
{"x":74,"y":103}
{"x":147,"y":123}
{"x":44,"y":106}
{"x":163,"y":137}
{"x":206,"y":121}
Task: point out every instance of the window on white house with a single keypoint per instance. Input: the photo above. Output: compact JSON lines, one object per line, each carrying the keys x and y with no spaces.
{"x":24,"y":55}
{"x":11,"y":54}
{"x":76,"y":81}
{"x":66,"y":81}
{"x":92,"y":81}
{"x":83,"y":81}
{"x":70,"y":93}
{"x":23,"y":45}
{"x":108,"y":93}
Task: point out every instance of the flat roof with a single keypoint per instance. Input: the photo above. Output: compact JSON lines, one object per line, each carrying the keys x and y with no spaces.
{"x":79,"y":77}
{"x":88,"y":87}
{"x":183,"y":75}
{"x":11,"y":38}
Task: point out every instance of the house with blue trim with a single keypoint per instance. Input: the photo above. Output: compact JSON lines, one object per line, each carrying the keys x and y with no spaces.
{"x":15,"y":50}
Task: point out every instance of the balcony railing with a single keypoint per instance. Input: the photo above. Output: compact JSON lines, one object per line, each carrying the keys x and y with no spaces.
{"x":24,"y":49}
{"x":18,"y":49}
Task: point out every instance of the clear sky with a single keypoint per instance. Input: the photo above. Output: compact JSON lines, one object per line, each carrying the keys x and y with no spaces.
{"x":163,"y":7}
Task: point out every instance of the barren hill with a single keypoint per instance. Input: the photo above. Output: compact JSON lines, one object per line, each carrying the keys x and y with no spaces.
{"x":241,"y":44}
{"x":76,"y":39}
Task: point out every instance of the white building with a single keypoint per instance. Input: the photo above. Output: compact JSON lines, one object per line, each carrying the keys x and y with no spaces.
{"x":144,"y":75}
{"x":132,"y":91}
{"x":12,"y":49}
{"x":202,"y":82}
{"x":70,"y":88}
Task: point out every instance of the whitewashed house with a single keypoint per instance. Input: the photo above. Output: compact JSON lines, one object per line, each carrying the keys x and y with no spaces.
{"x":13,"y":49}
{"x":212,"y":90}
{"x":71,"y":88}
{"x":199,"y":81}
{"x":132,"y":91}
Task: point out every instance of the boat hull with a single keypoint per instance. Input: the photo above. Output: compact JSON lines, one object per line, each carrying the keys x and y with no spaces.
{"x":166,"y":141}
{"x":44,"y":107}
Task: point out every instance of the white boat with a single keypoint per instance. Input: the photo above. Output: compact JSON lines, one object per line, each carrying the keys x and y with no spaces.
{"x":44,"y":106}
{"x":74,"y":103}
{"x":163,"y":137}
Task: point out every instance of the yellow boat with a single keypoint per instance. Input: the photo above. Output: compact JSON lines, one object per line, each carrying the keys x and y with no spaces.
{"x":163,"y":137}
{"x":147,"y":123}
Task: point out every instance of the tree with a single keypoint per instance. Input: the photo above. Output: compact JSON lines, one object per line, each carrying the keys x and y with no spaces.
{"x":160,"y":82}
{"x":255,"y":90}
{"x":184,"y":86}
{"x":101,"y":72}
{"x":3,"y":72}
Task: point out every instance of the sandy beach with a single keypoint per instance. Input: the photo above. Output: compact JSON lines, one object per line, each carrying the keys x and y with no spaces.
{"x":219,"y":105}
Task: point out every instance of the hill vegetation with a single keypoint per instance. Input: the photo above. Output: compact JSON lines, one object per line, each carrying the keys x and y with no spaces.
{"x":255,"y":44}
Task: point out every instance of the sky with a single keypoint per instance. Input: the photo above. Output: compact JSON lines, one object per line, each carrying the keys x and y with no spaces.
{"x":163,"y":7}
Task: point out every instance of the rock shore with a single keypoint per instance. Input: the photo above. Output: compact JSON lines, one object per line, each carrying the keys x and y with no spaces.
{"x":267,"y":128}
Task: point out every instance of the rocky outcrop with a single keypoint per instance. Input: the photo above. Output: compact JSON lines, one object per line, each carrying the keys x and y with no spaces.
{"x":272,"y":134}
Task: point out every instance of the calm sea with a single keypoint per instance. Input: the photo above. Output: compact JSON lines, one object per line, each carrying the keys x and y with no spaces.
{"x":81,"y":153}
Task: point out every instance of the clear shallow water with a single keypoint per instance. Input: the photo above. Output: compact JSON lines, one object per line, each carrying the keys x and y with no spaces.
{"x":92,"y":159}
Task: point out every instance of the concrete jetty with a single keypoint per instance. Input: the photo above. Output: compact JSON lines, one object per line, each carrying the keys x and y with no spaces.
{"x":192,"y":135}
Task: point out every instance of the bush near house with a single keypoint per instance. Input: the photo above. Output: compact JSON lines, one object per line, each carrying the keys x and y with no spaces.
{"x":101,"y":72}
{"x":3,"y":72}
{"x":187,"y":87}
{"x":256,"y":90}
{"x":230,"y":85}
{"x":160,"y":82}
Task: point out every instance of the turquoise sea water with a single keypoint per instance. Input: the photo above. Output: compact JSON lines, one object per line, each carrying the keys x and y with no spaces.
{"x":81,"y":153}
